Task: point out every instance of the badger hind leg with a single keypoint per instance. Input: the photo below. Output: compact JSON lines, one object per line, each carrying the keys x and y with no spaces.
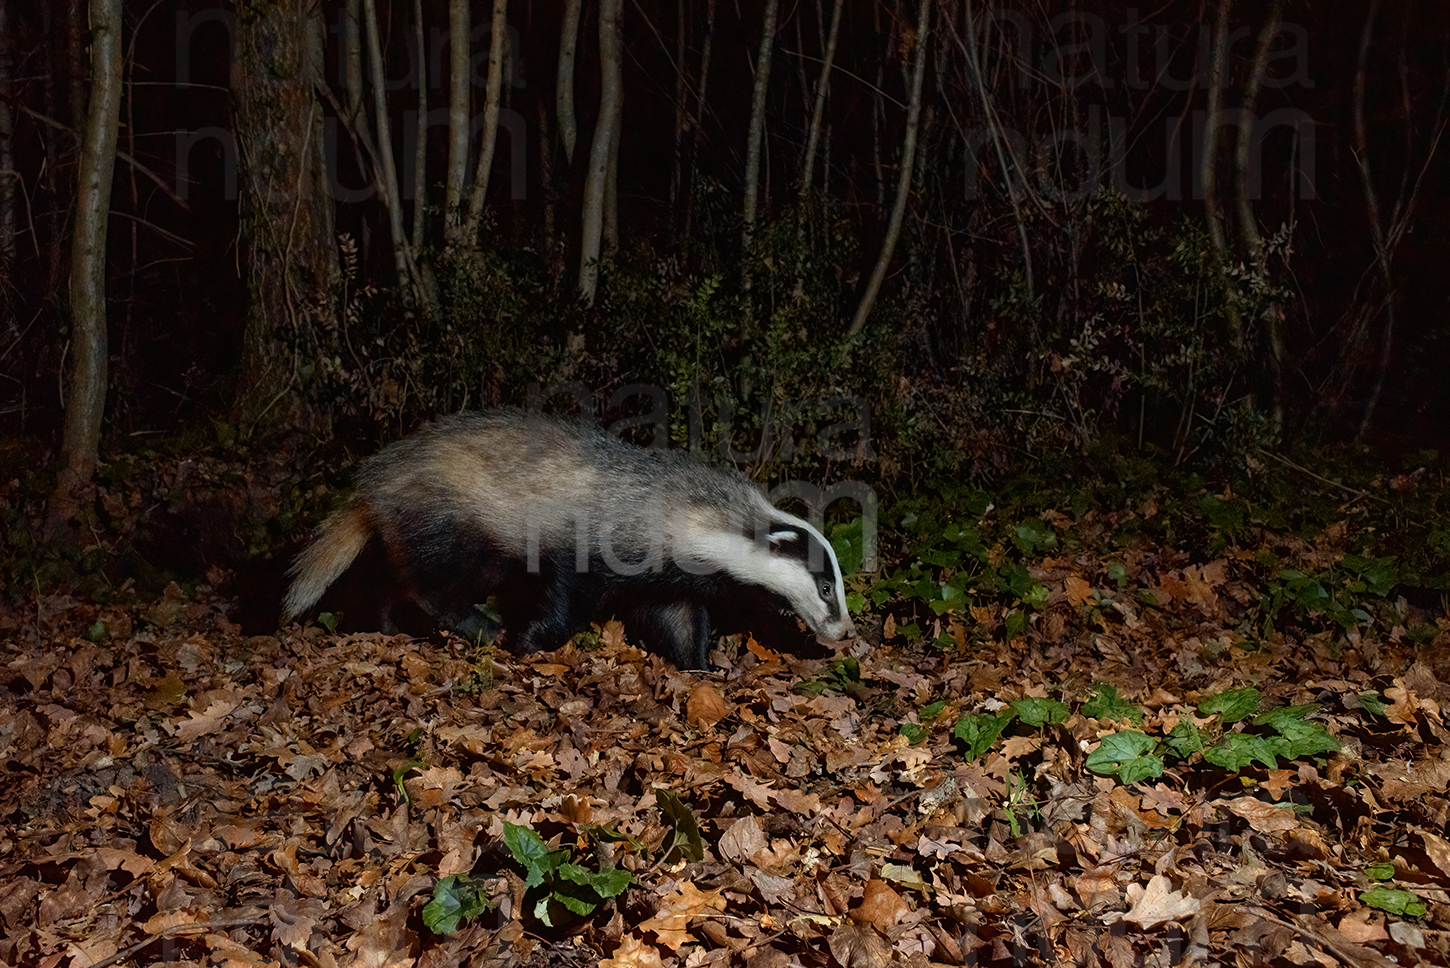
{"x":447,"y":568}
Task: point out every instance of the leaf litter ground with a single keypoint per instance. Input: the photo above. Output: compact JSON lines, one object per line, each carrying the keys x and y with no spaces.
{"x":176,"y":791}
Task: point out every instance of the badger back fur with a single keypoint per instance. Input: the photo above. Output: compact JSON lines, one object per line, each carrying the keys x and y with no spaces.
{"x":561,"y":523}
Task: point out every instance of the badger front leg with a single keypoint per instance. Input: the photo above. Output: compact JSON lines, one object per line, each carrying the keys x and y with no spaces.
{"x":545,"y":614}
{"x":679,"y":631}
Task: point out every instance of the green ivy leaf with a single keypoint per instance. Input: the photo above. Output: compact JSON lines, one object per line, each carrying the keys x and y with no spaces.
{"x":979,"y":732}
{"x":1184,"y":739}
{"x":915,"y":733}
{"x":1276,"y":718}
{"x":456,"y":898}
{"x":1374,"y":704}
{"x":1038,"y":711}
{"x":613,"y":882}
{"x":931,"y":711}
{"x":1232,"y":706}
{"x":1238,"y":750}
{"x":531,"y":852}
{"x":685,"y":841}
{"x":1402,"y":903}
{"x":1127,"y":754}
{"x":1107,"y":704}
{"x":1307,"y":739}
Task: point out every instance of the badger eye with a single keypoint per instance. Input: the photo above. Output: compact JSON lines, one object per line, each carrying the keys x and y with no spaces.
{"x":826,"y":590}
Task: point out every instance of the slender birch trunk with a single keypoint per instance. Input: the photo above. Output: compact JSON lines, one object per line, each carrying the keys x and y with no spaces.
{"x":611,"y":184}
{"x":697,"y":124}
{"x":86,"y":393}
{"x":1248,"y":223}
{"x":818,"y":112}
{"x":1217,"y":81}
{"x":564,"y":83}
{"x":813,"y":137}
{"x":904,"y":172}
{"x":420,"y":150}
{"x":597,"y":177}
{"x":681,"y":115}
{"x":753,"y":142}
{"x":351,"y":43}
{"x":459,"y":83}
{"x":7,"y":152}
{"x":492,"y":95}
{"x":387,"y":176}
{"x":1384,"y":253}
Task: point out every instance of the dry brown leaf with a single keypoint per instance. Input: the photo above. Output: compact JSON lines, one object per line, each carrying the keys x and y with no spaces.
{"x":632,"y":952}
{"x":802,"y":804}
{"x":1158,"y":903}
{"x":611,"y":635}
{"x":1437,"y":851}
{"x":671,"y":922}
{"x":859,"y":946}
{"x":1079,"y":592}
{"x":880,"y":906}
{"x":1266,"y":818}
{"x":742,"y":841}
{"x":706,"y":706}
{"x":207,"y":721}
{"x":1363,"y":926}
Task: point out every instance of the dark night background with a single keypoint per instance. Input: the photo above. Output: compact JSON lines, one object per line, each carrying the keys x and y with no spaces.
{"x":1134,"y":332}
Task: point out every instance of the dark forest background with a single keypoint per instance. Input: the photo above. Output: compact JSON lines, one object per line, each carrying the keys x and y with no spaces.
{"x":1082,"y":259}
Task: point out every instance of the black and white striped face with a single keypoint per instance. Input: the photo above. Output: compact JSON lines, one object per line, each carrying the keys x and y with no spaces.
{"x":803,"y":570}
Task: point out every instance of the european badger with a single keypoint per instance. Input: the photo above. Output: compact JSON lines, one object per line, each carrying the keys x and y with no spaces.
{"x":562,"y":523}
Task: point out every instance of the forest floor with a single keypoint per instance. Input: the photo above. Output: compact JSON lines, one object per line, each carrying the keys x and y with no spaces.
{"x":1063,"y":739}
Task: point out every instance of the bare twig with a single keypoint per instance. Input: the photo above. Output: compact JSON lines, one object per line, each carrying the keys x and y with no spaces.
{"x":904,"y":171}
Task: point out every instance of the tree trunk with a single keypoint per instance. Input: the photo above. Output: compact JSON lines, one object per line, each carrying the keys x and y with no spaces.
{"x":1248,"y":222}
{"x":386,"y":174}
{"x":459,"y":87}
{"x":1217,"y":81}
{"x":420,"y":150}
{"x":287,"y":229}
{"x":75,"y":74}
{"x":1383,"y":252}
{"x":611,"y":178}
{"x":818,"y":113}
{"x":351,"y":54}
{"x":86,"y":394}
{"x":597,"y":178}
{"x":7,"y":153}
{"x":904,"y":170}
{"x":492,"y":95}
{"x":681,"y":115}
{"x":698,"y":123}
{"x":813,"y":138}
{"x":564,"y":84}
{"x":753,"y":141}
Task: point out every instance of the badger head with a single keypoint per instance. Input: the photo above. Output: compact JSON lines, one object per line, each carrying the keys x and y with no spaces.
{"x":801,"y":567}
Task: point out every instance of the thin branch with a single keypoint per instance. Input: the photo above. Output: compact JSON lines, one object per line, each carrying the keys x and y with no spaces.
{"x":904,"y":172}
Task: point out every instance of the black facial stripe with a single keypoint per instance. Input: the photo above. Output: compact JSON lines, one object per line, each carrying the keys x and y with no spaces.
{"x":790,"y":543}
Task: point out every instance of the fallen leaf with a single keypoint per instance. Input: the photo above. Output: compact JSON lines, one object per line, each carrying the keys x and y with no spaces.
{"x":1158,"y":903}
{"x":706,"y":706}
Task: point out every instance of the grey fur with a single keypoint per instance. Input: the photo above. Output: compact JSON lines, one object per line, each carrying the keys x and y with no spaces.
{"x":567,"y":523}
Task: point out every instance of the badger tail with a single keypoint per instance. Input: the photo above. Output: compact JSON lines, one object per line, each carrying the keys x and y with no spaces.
{"x":340,"y":539}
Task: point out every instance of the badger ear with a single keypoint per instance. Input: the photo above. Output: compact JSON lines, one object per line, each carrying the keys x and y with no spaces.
{"x":779,"y":538}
